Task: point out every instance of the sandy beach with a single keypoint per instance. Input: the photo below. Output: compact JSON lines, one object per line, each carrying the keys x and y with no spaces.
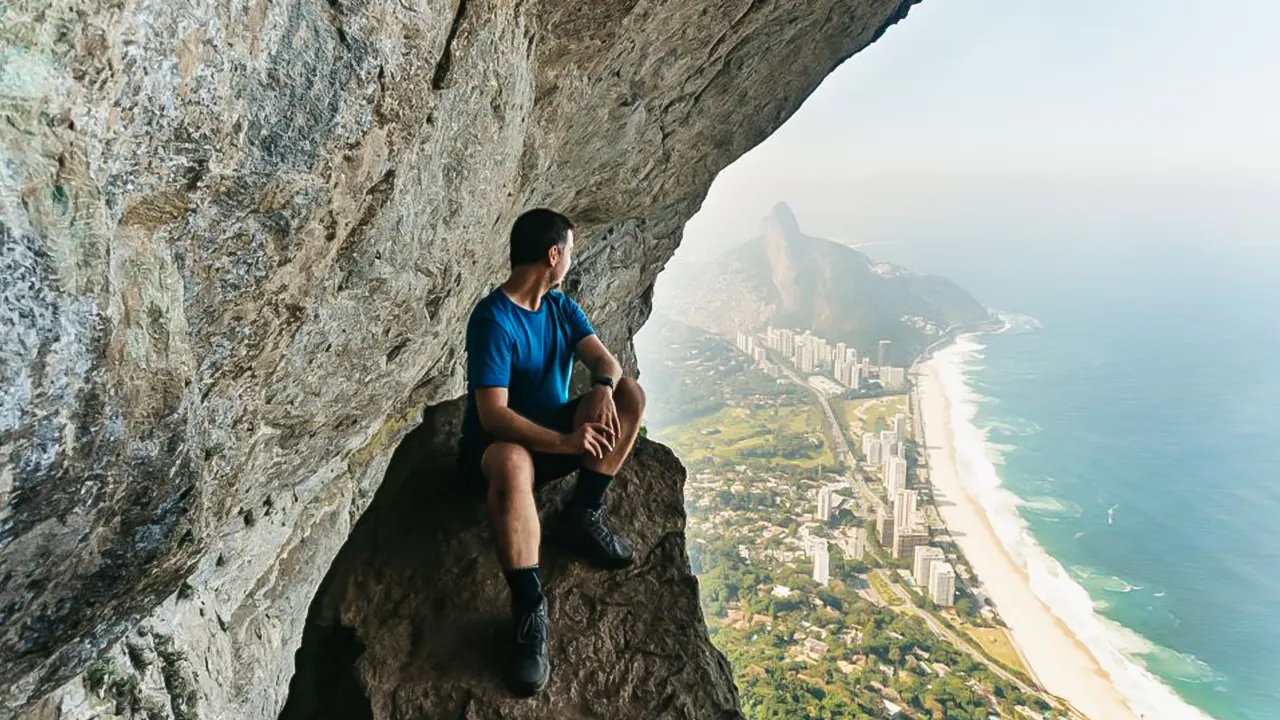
{"x":1062,"y":664}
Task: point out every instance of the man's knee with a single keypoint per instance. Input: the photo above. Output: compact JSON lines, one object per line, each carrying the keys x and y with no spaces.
{"x":629,"y":398}
{"x":508,"y":468}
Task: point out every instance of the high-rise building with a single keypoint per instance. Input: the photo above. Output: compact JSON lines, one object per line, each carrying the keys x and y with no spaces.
{"x":784,"y":342}
{"x":855,"y":375}
{"x":874,"y":451}
{"x":906,"y":540}
{"x":821,"y":563}
{"x":882,"y":356}
{"x":892,"y":377}
{"x":942,"y":584}
{"x":890,"y":442}
{"x":825,"y":502}
{"x":904,"y":508}
{"x":851,"y":355}
{"x":895,"y":475}
{"x":926,"y":556}
{"x":759,"y":356}
{"x":884,"y":528}
{"x":866,"y":367}
{"x":807,"y":541}
{"x":853,"y":543}
{"x":805,"y":358}
{"x":900,"y":427}
{"x":846,"y":373}
{"x":840,"y":350}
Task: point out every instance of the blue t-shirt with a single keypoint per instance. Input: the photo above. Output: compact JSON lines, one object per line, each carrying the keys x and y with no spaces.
{"x":528,"y":352}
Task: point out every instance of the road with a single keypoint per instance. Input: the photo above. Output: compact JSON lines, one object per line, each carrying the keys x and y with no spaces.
{"x":943,"y":631}
{"x":835,"y":433}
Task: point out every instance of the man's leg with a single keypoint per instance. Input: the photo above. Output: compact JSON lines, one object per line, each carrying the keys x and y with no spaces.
{"x":586,"y":515}
{"x":508,"y":468}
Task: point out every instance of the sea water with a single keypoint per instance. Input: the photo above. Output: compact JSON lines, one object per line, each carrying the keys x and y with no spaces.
{"x":1124,"y":433}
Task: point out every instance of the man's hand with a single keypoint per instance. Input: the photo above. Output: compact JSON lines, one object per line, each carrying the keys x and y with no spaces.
{"x":600,"y":409}
{"x":593,"y":439}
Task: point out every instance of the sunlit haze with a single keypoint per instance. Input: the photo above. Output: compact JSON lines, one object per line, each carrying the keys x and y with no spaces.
{"x":1075,"y":120}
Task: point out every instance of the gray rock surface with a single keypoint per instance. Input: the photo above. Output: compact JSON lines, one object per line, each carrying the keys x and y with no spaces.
{"x":238,"y":243}
{"x":412,"y":620}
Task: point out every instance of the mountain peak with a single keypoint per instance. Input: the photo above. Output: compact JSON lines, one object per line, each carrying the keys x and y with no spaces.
{"x":781,"y":220}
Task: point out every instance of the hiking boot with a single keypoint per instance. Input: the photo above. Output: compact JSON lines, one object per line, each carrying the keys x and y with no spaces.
{"x":529,"y":666}
{"x":588,"y":533}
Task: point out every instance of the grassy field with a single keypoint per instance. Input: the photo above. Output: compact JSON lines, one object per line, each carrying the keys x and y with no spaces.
{"x":734,"y":434}
{"x":998,"y":644}
{"x":881,"y":586}
{"x":878,"y":412}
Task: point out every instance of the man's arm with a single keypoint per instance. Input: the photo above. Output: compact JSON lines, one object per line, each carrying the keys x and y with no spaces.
{"x":506,"y":424}
{"x":601,"y":363}
{"x":598,"y":359}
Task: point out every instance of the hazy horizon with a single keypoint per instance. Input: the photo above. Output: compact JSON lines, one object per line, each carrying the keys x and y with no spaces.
{"x":1075,"y":122}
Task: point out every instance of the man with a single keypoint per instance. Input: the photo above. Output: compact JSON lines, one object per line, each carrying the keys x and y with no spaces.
{"x":521,"y":428}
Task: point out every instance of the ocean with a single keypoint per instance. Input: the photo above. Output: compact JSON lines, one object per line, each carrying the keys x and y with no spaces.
{"x":1127,"y":423}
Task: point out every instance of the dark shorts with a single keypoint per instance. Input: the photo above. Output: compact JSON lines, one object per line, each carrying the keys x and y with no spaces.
{"x":546,"y":466}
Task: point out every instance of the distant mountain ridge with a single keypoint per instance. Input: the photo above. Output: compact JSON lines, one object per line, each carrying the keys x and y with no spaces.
{"x":785,"y":278}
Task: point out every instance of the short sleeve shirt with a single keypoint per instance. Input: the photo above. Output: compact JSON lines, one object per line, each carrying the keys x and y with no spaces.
{"x":528,"y":352}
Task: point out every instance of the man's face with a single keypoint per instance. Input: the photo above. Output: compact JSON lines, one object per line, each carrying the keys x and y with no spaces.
{"x":561,"y":258}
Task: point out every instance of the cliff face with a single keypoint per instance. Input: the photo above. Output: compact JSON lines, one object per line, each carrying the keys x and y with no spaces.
{"x":238,"y":243}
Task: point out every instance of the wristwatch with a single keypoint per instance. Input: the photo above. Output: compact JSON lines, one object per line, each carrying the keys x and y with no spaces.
{"x":604,"y":380}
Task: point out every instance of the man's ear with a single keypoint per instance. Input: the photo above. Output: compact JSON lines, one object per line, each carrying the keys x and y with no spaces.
{"x":553,"y":255}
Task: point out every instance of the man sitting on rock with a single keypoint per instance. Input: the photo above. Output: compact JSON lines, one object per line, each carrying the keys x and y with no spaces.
{"x":521,"y":428}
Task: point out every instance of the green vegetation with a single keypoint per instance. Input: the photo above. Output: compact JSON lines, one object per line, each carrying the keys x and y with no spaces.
{"x":867,"y":415}
{"x":790,"y":434}
{"x":827,"y":652}
{"x":996,"y":643}
{"x":800,"y":649}
{"x":699,"y":374}
{"x":886,"y":593}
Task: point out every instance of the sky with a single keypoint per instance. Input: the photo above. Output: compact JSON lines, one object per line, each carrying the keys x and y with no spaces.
{"x":1003,"y":122}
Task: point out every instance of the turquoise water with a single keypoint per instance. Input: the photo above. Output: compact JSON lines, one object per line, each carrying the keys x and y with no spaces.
{"x":1137,"y":417}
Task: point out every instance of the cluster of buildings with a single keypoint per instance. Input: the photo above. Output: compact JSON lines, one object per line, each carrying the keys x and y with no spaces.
{"x":934,"y":575}
{"x":852,"y":541}
{"x":886,"y":451}
{"x":899,"y":526}
{"x":928,"y":327}
{"x":815,"y":354}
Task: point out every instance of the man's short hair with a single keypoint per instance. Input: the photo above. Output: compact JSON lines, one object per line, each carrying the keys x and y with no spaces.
{"x":535,"y":232}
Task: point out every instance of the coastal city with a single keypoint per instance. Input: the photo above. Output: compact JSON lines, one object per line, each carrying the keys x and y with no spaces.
{"x":826,"y":574}
{"x":880,"y":471}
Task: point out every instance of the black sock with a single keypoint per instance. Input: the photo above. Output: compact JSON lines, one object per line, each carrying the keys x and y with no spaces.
{"x":591,"y":487}
{"x":526,"y":587}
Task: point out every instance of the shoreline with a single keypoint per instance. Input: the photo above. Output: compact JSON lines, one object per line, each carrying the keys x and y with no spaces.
{"x":1056,"y":658}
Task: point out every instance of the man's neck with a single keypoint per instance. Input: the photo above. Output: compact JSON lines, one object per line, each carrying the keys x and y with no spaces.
{"x":526,"y":288}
